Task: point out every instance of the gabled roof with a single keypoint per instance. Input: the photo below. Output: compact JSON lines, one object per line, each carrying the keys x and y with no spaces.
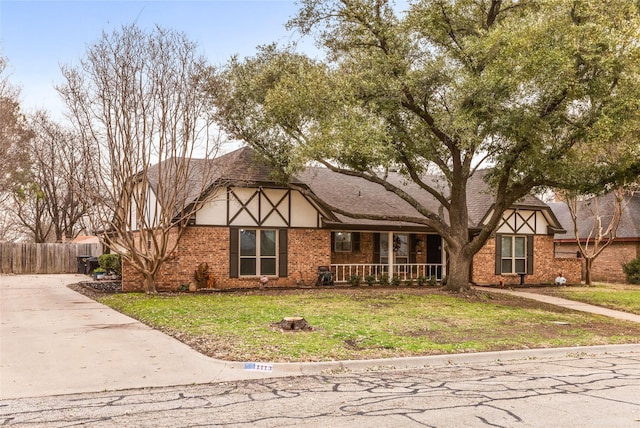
{"x":354,"y":194}
{"x":238,"y":167}
{"x":629,"y":228}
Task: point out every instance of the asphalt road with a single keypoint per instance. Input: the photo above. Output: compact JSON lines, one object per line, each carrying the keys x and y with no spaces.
{"x":575,"y":391}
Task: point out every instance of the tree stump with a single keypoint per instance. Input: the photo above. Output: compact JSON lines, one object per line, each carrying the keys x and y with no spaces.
{"x":293,"y":324}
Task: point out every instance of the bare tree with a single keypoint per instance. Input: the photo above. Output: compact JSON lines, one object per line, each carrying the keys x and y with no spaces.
{"x":595,"y":223}
{"x":136,"y":102}
{"x":46,"y":198}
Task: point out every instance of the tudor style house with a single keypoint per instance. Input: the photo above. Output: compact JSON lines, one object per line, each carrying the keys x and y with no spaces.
{"x":253,"y":231}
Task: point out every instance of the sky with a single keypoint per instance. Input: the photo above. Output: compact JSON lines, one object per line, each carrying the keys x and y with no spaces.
{"x":37,"y":37}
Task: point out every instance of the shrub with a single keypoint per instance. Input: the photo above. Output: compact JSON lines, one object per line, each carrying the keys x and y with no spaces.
{"x":370,"y":279}
{"x":384,"y":279}
{"x":111,"y":262}
{"x":421,"y":280}
{"x":408,"y":282}
{"x":632,"y":271}
{"x":395,"y":280}
{"x":355,"y":280}
{"x":432,"y":282}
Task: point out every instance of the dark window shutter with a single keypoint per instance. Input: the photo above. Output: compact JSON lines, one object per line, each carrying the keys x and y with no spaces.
{"x":283,"y":263}
{"x":333,"y":242}
{"x":530,"y":255}
{"x":498,"y":254}
{"x":355,"y":241}
{"x":376,"y":248}
{"x":234,"y":256}
{"x":412,"y":248}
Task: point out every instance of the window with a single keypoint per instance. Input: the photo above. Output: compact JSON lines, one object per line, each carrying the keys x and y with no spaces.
{"x":513,"y":254}
{"x":343,"y":242}
{"x":258,"y":252}
{"x":400,"y":248}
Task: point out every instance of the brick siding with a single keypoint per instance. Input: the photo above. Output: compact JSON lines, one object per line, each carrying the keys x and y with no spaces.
{"x":308,"y":249}
{"x":607,"y":267}
{"x":545,"y":265}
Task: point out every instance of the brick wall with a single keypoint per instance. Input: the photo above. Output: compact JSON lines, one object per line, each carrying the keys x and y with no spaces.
{"x":607,"y":267}
{"x":308,"y":249}
{"x":545,"y":265}
{"x":364,"y":255}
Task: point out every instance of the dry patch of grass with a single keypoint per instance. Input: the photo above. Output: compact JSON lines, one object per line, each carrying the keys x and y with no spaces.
{"x":363,"y":323}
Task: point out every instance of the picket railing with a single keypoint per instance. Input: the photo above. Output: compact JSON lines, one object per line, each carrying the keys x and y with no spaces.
{"x":405,"y":271}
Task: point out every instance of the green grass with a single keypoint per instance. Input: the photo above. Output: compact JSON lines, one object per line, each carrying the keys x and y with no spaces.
{"x":359,"y":324}
{"x":614,"y":296}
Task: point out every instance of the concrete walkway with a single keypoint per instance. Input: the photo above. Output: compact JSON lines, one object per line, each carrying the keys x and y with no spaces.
{"x":565,"y":303}
{"x":56,"y":341}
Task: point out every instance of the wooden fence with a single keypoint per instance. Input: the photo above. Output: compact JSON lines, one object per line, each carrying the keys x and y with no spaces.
{"x":20,"y":258}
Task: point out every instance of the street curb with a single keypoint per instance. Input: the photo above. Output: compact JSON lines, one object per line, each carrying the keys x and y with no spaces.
{"x":330,"y":367}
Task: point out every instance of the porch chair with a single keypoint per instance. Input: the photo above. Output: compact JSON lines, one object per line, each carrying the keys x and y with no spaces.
{"x":325,"y":276}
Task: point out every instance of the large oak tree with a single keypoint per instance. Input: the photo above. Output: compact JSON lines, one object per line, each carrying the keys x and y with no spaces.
{"x":534,"y":89}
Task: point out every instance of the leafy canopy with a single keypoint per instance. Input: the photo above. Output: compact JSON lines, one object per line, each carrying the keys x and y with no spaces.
{"x":545,"y":92}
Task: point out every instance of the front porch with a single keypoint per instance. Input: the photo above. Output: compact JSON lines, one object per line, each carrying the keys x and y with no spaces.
{"x":393,"y":256}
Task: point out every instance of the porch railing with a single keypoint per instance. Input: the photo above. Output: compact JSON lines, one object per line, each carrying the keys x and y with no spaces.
{"x":405,"y":271}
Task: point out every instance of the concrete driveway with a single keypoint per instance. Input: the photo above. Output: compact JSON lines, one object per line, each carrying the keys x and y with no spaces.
{"x":56,"y":341}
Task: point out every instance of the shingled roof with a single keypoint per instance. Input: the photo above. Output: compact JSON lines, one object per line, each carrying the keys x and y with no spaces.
{"x":361,"y":196}
{"x":354,"y":194}
{"x":629,"y":228}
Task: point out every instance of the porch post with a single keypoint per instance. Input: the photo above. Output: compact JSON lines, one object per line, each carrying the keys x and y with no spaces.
{"x":444,"y":258}
{"x":391,"y":254}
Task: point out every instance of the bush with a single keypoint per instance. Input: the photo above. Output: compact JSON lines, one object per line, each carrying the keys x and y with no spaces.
{"x":632,"y":271}
{"x":355,"y":280}
{"x":370,"y":279}
{"x":408,"y":282}
{"x":432,"y":282}
{"x":395,"y":280}
{"x":384,"y":279}
{"x":421,"y":280}
{"x":111,"y":262}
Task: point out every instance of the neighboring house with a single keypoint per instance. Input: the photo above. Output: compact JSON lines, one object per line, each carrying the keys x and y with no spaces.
{"x":252,"y":230}
{"x":607,"y":267}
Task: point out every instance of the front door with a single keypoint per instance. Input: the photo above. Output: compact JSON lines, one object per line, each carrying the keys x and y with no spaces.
{"x":434,"y":255}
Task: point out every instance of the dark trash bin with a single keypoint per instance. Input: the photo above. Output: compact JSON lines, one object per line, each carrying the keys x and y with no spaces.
{"x":82,"y":264}
{"x":92,"y":264}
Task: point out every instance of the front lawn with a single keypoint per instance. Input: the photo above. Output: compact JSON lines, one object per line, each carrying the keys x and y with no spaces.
{"x":361,"y":323}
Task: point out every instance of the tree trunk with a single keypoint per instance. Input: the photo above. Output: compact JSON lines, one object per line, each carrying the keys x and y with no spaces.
{"x":293,"y":324}
{"x":149,"y":284}
{"x":458,"y":274}
{"x":588,"y":263}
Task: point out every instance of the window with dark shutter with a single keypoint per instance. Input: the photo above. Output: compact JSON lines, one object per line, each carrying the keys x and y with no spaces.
{"x":376,"y":248}
{"x":283,"y":243}
{"x":498,"y":254}
{"x":234,"y":257}
{"x":530,"y":240}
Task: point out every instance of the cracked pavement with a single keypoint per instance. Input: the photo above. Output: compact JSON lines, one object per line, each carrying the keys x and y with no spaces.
{"x":583,"y":390}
